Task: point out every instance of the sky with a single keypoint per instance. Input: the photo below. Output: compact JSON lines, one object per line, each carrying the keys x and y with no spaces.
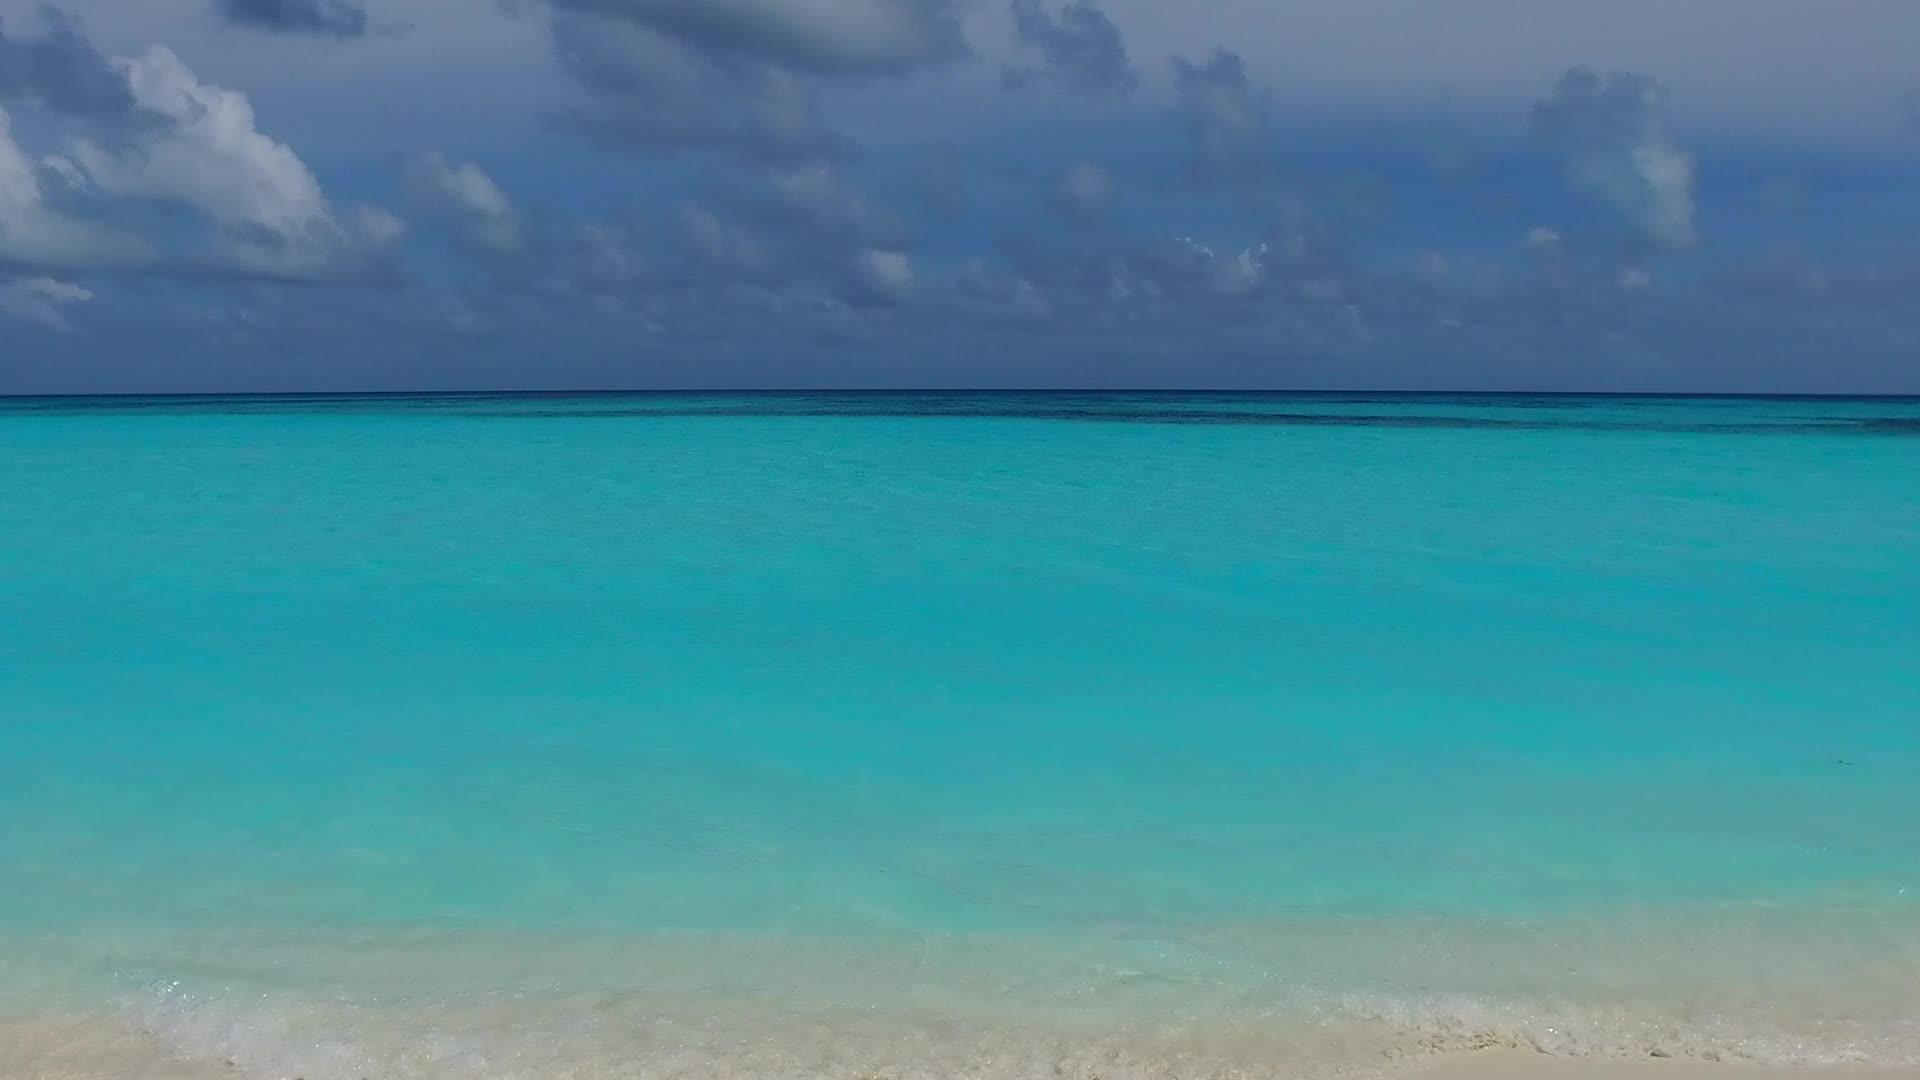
{"x":374,"y":195}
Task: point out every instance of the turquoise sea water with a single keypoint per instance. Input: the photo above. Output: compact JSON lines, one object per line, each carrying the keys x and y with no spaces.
{"x":986,"y":735}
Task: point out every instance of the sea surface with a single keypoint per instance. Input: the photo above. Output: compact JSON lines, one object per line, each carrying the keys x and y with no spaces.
{"x":983,"y":736}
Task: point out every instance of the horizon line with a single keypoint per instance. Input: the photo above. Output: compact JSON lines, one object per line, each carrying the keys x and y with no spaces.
{"x":187,"y":395}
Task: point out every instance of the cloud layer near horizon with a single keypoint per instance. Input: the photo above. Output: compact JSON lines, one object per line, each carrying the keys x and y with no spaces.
{"x":910,"y":192}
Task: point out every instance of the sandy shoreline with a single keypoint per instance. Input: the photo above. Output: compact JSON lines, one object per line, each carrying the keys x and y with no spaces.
{"x":76,"y":1049}
{"x":1524,"y":1065}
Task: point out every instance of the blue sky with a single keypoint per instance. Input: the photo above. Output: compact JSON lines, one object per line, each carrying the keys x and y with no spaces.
{"x":224,"y":195}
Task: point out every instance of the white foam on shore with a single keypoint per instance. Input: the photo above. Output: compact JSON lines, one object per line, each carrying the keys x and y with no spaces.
{"x":175,"y":1034}
{"x":1323,"y":999}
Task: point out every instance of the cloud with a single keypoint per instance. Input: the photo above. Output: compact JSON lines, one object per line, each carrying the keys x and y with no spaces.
{"x":1341,"y":60}
{"x":1290,"y":292}
{"x":1080,"y":48}
{"x":759,"y":221}
{"x":786,"y":240}
{"x":649,"y":89}
{"x":1224,"y":119}
{"x":742,"y":76}
{"x":1610,"y":133}
{"x":483,"y":213}
{"x":60,"y":70}
{"x":854,"y":38}
{"x":1227,"y":275}
{"x":39,"y":300}
{"x":145,"y":131}
{"x":34,"y":233}
{"x":747,"y":79}
{"x":198,"y":147}
{"x":1541,"y":238}
{"x":725,"y":246}
{"x":885,"y":276}
{"x":324,"y":18}
{"x":1789,"y":278}
{"x":982,"y":290}
{"x":1101,"y":276}
{"x":1085,"y":189}
{"x":819,"y":200}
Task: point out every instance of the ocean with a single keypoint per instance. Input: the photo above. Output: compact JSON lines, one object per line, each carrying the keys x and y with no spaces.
{"x":990,"y":735}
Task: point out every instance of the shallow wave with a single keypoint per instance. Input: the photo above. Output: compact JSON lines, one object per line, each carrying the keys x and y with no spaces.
{"x":176,"y":1035}
{"x":1336,"y":998}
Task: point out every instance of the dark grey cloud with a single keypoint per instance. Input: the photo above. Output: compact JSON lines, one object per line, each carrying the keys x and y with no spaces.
{"x":325,"y":18}
{"x":1610,"y":132}
{"x":1080,"y":48}
{"x":745,"y":76}
{"x":770,"y":246}
{"x":981,"y":290}
{"x":649,"y":90}
{"x":40,"y":300}
{"x":1092,"y":268}
{"x":850,"y":38}
{"x":809,"y":230}
{"x":1166,"y":300}
{"x":982,"y":323}
{"x":736,"y":292}
{"x":787,"y":263}
{"x":1224,"y":117}
{"x":748,"y":79}
{"x":1266,"y":300}
{"x":624,"y":263}
{"x":1788,"y":278}
{"x":60,"y":69}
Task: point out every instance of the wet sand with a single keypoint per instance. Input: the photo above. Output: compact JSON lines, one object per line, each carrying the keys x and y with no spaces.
{"x":1523,"y":1065}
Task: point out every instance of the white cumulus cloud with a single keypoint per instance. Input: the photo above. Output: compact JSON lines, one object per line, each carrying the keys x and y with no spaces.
{"x":204,"y":151}
{"x":33,"y":233}
{"x":1610,"y":132}
{"x":483,"y":212}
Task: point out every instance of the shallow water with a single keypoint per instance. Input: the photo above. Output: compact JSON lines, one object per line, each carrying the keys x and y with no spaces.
{"x":987,"y":735}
